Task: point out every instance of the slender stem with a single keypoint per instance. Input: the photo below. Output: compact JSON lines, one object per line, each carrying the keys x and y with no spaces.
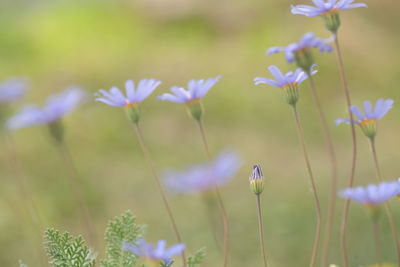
{"x":378,"y":243}
{"x":354,"y":157}
{"x":209,"y":202}
{"x":73,"y":179}
{"x":220,"y":202}
{"x":260,"y":229}
{"x":23,"y":186}
{"x":314,"y":189}
{"x":160,"y":188}
{"x":387,"y":207}
{"x":333,"y":187}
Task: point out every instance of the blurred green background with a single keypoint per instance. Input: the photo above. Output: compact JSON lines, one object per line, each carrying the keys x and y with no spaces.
{"x":100,"y":43}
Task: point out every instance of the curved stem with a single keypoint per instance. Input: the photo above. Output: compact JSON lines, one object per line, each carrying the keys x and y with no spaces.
{"x":378,"y":243}
{"x":354,"y":157}
{"x":314,"y":189}
{"x":387,"y":207}
{"x":220,"y":202}
{"x":160,"y":189}
{"x":333,"y":187}
{"x":260,"y":229}
{"x":73,"y":179}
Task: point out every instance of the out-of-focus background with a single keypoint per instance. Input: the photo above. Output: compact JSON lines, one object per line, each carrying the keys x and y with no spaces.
{"x":99,"y":44}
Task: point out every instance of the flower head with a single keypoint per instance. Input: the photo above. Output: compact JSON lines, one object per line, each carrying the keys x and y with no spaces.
{"x":257,"y":180}
{"x":367,"y":120}
{"x":329,"y":10}
{"x":287,"y":82}
{"x":157,"y":254}
{"x":12,"y":89}
{"x":372,"y":194}
{"x":204,"y":177}
{"x":117,"y":99}
{"x":301,"y":51}
{"x":321,"y":7}
{"x":197,"y":89}
{"x":55,"y":107}
{"x":132,"y":99}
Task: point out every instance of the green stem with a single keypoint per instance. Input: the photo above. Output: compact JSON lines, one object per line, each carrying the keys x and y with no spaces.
{"x":333,"y":187}
{"x":354,"y":157}
{"x":160,"y":188}
{"x":73,"y":179}
{"x":314,"y":189}
{"x":220,"y":202}
{"x":378,"y":243}
{"x":260,"y":230}
{"x":387,"y":207}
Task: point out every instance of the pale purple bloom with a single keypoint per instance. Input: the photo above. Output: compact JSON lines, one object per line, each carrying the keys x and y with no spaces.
{"x":381,"y":108}
{"x":158,"y":253}
{"x":55,"y":107}
{"x":372,"y":194}
{"x":283,"y":80}
{"x":117,"y":99}
{"x":308,"y":40}
{"x":12,"y":89}
{"x":196,"y":89}
{"x":322,"y":7}
{"x":204,"y":177}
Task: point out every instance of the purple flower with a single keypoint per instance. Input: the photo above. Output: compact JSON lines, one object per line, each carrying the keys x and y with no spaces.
{"x":55,"y":107}
{"x":372,"y":194}
{"x":307,"y":41}
{"x":117,"y":99}
{"x":283,"y":80}
{"x":321,"y":7}
{"x":197,"y":89}
{"x":367,"y":120}
{"x":12,"y":89}
{"x":204,"y":177}
{"x":157,"y":254}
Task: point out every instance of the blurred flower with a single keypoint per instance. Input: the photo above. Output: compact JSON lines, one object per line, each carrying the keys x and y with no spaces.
{"x":329,"y":10}
{"x":287,"y":82}
{"x":367,"y":121}
{"x":204,"y":177}
{"x":257,"y":180}
{"x":12,"y":89}
{"x":301,"y":51}
{"x":55,"y":107}
{"x":117,"y":99}
{"x":321,"y":7}
{"x":372,"y":194}
{"x":196,"y":89}
{"x":157,"y":254}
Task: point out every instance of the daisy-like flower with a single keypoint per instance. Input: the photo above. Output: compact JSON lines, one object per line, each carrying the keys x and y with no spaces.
{"x":55,"y":107}
{"x":329,"y":10}
{"x":204,"y":177}
{"x":197,"y":89}
{"x":153,"y":254}
{"x":12,"y":89}
{"x":133,"y":97}
{"x":301,"y":52}
{"x":287,"y":82}
{"x":372,"y":194}
{"x":368,"y":120}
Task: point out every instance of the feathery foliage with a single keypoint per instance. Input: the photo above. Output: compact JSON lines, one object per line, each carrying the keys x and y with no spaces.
{"x":66,"y":251}
{"x":121,"y":229}
{"x":197,"y":259}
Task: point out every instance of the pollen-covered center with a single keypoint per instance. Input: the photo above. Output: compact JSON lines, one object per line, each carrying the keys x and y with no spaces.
{"x":289,"y":85}
{"x":366,"y":121}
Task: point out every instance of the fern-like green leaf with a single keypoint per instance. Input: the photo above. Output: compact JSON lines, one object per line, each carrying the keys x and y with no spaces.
{"x":197,"y":259}
{"x":65,"y":251}
{"x":121,"y":229}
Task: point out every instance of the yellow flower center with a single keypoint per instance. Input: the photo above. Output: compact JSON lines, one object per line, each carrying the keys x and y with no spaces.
{"x":366,"y":121}
{"x":129,"y":104}
{"x":289,"y":85}
{"x":333,"y":10}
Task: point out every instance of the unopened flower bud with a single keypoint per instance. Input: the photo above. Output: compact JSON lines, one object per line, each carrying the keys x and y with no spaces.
{"x":257,"y":180}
